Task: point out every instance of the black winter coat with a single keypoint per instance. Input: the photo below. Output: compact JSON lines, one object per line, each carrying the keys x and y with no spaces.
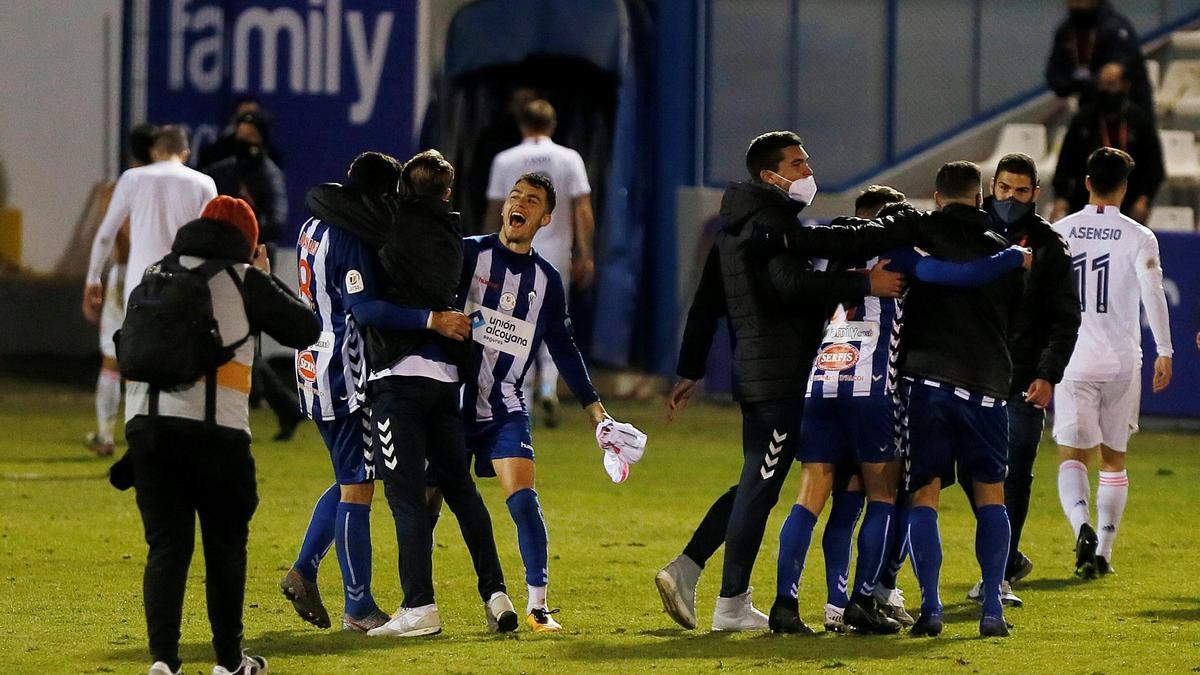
{"x":419,"y":243}
{"x":1046,"y":323}
{"x":775,"y":303}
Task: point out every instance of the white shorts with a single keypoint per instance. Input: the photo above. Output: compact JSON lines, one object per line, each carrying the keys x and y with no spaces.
{"x":1087,"y":414}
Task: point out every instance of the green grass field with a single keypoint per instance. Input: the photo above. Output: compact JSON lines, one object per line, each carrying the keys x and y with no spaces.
{"x":71,"y":556}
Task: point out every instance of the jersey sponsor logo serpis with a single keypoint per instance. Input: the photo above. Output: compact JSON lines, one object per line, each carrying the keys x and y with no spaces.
{"x":838,"y":356}
{"x":306,"y":365}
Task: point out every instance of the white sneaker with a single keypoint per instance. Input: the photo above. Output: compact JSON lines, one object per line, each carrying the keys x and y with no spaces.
{"x":250,"y":665}
{"x":738,"y":614}
{"x":891,"y":601}
{"x":501,"y":615}
{"x":161,"y":668}
{"x":834,"y":623}
{"x":1007,"y":597}
{"x":411,"y":622}
{"x":677,"y":587}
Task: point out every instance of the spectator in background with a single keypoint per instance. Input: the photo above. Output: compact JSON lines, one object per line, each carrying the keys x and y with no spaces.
{"x":108,"y":384}
{"x":1093,"y":35}
{"x":567,"y":241}
{"x":157,"y":199}
{"x":1113,"y":120}
{"x":250,"y":174}
{"x":224,"y":146}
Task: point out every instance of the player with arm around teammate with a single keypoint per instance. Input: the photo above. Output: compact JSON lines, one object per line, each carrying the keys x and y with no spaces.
{"x":515,"y":301}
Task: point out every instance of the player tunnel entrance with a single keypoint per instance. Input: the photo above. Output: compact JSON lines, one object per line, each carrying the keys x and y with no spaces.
{"x":581,"y":56}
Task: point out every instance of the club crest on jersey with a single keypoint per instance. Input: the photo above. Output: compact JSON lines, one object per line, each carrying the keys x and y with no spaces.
{"x":508,"y":302}
{"x":838,"y":356}
{"x":306,"y":365}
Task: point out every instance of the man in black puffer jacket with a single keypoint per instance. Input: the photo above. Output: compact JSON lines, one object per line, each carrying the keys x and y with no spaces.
{"x":776,"y":306}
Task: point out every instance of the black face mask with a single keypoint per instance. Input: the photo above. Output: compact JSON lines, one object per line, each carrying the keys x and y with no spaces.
{"x":1084,"y":18}
{"x":1010,"y":210}
{"x":248,"y":152}
{"x":1110,"y":101}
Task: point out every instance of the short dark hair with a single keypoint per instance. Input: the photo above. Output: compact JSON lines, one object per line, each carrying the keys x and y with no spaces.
{"x":374,"y":174}
{"x":766,"y":151}
{"x":427,"y":174}
{"x":895,"y":208}
{"x":958,"y":180}
{"x":876,"y":197}
{"x":543,"y":181}
{"x":171,"y":138}
{"x":141,"y":139}
{"x":537,"y":116}
{"x":1109,"y":168}
{"x":1020,"y":164}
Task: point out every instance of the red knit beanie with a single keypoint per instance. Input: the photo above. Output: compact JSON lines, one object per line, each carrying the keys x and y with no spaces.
{"x":237,"y":213}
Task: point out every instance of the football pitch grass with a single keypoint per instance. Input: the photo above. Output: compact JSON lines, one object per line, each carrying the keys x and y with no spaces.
{"x":71,"y":557}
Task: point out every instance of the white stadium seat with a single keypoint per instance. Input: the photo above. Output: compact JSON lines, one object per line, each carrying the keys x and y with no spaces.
{"x":1186,"y":39}
{"x":1180,"y":90}
{"x":1154,"y":74}
{"x":1172,"y":219}
{"x":1180,"y":157}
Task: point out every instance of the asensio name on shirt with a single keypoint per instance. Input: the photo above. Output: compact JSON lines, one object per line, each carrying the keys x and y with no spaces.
{"x":1098,"y":233}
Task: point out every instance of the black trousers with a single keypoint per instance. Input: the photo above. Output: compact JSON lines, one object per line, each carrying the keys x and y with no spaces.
{"x":1025,"y":424}
{"x":416,"y":420}
{"x":183,"y":469}
{"x":770,"y":434}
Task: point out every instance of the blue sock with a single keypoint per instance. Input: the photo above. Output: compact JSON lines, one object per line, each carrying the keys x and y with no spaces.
{"x":897,"y":548}
{"x":836,"y":543}
{"x":532,"y":538}
{"x":992,"y":531}
{"x":353,"y":539}
{"x":925,"y":544}
{"x":319,"y":535}
{"x":874,"y":539}
{"x":794,"y":539}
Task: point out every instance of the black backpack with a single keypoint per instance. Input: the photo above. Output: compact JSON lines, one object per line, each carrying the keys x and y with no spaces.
{"x":170,"y":338}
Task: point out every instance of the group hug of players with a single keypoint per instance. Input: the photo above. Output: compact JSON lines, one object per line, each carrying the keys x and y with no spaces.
{"x":426,"y":341}
{"x":892,"y":354}
{"x":898,"y":352}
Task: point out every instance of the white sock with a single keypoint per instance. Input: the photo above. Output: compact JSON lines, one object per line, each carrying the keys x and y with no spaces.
{"x":1110,"y":506}
{"x":537,"y":598}
{"x":108,"y":403}
{"x":1073,"y":491}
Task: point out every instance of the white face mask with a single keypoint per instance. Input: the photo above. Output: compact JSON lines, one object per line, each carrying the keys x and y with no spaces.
{"x":803,"y":190}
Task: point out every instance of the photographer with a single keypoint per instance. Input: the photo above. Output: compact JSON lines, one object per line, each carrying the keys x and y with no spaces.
{"x":190,"y":445}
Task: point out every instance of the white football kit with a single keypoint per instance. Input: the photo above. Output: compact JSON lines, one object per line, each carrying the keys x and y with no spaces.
{"x":1117,"y":267}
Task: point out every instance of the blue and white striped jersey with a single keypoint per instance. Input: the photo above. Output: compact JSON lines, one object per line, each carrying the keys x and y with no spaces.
{"x":860,"y":348}
{"x":336,"y":271}
{"x":515,"y":302}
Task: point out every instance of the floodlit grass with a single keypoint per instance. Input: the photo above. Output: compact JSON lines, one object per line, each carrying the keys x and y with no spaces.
{"x":71,"y":556}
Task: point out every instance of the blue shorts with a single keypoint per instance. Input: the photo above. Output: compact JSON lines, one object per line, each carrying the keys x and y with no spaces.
{"x":349,"y":441}
{"x":947,"y":434}
{"x":499,"y":439}
{"x":848,"y":431}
